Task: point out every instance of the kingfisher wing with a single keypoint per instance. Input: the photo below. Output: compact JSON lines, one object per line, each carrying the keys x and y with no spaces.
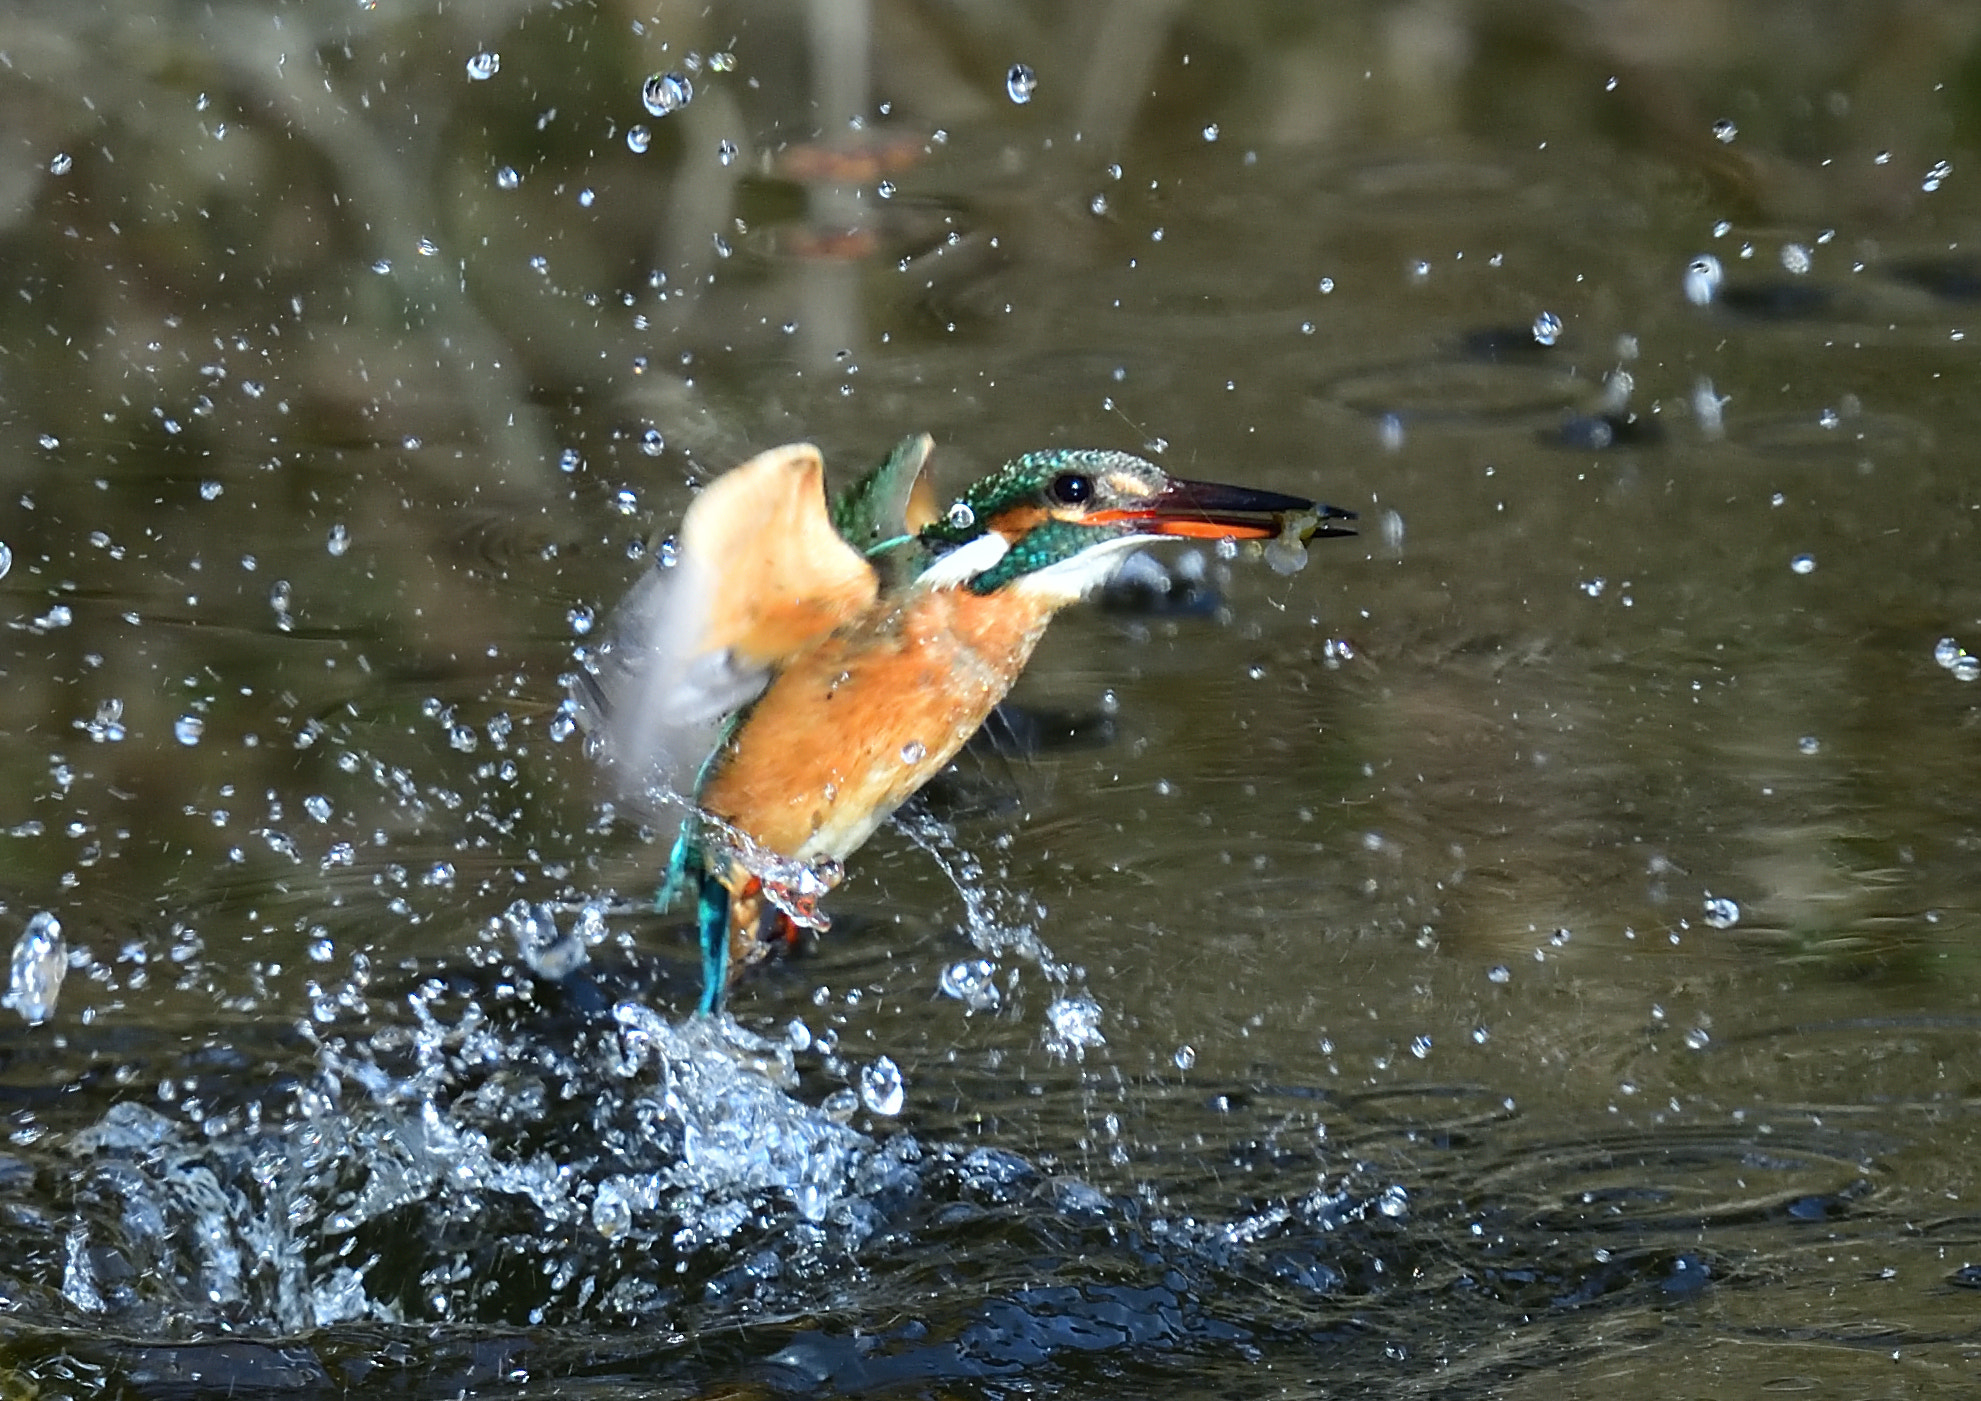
{"x":892,"y":500}
{"x":758,"y":573}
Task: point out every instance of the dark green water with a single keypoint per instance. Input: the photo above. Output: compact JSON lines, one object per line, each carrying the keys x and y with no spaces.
{"x":1370,"y":1016}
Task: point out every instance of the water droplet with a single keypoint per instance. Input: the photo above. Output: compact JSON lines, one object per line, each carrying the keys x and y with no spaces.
{"x":881,"y":1089}
{"x":1394,"y":1202}
{"x":666,"y":92}
{"x":586,"y":197}
{"x":1020,"y":83}
{"x":507,"y":178}
{"x":339,"y":539}
{"x":1803,"y":564}
{"x":318,"y":807}
{"x":961,"y":517}
{"x":1828,"y":418}
{"x":1795,"y":257}
{"x":913,"y":752}
{"x":885,"y":189}
{"x":972,"y":982}
{"x":1547,"y":328}
{"x":1703,"y":276}
{"x":462,"y":738}
{"x":721,"y":61}
{"x":1098,"y":204}
{"x":1185,"y":1057}
{"x":1499,"y":973}
{"x":426,"y":248}
{"x":652,"y":443}
{"x":1211,"y":132}
{"x":1697,"y":1040}
{"x":625,"y":501}
{"x":1947,"y":651}
{"x":210,"y":490}
{"x":1966,"y":668}
{"x":638,"y":138}
{"x":1720,"y":912}
{"x":187,"y":729}
{"x":725,"y":151}
{"x":1882,"y":158}
{"x":581,"y":619}
{"x":6,"y":559}
{"x":1725,"y":131}
{"x":41,"y":958}
{"x":484,"y":66}
{"x":382,"y":267}
{"x":1326,"y":286}
{"x":1936,"y":176}
{"x":62,"y":164}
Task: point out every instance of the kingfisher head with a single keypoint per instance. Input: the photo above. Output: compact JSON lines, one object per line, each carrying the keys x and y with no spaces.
{"x":1057,"y":522}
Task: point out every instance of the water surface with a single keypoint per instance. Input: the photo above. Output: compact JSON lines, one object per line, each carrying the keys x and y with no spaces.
{"x":1528,"y":952}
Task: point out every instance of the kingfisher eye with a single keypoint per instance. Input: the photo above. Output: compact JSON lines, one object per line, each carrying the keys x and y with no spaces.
{"x":1071,"y":488}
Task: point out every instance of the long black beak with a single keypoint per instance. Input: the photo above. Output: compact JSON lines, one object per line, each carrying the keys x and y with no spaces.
{"x":1214,"y":511}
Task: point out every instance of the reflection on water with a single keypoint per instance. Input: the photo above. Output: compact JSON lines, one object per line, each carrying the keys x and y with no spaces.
{"x":1529,"y":949}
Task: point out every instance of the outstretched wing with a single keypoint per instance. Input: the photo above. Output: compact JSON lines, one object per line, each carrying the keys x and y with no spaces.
{"x":891,"y":502}
{"x":757,"y":574}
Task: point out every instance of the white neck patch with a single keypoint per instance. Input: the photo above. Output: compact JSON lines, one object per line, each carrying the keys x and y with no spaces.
{"x":965,"y":562}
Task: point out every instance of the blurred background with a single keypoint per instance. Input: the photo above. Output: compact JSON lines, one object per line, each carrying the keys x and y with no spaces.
{"x":1530,"y":951}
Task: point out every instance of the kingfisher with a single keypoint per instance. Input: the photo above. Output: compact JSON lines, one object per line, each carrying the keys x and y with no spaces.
{"x":794,"y":667}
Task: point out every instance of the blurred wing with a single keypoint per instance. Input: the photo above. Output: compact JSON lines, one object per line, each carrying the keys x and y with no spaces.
{"x":758,"y":574}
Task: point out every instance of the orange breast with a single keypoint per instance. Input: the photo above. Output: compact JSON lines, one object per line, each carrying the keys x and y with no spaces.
{"x":856,"y":723}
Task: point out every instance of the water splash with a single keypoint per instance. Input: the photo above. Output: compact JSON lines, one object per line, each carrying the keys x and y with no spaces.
{"x":1073,"y":1027}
